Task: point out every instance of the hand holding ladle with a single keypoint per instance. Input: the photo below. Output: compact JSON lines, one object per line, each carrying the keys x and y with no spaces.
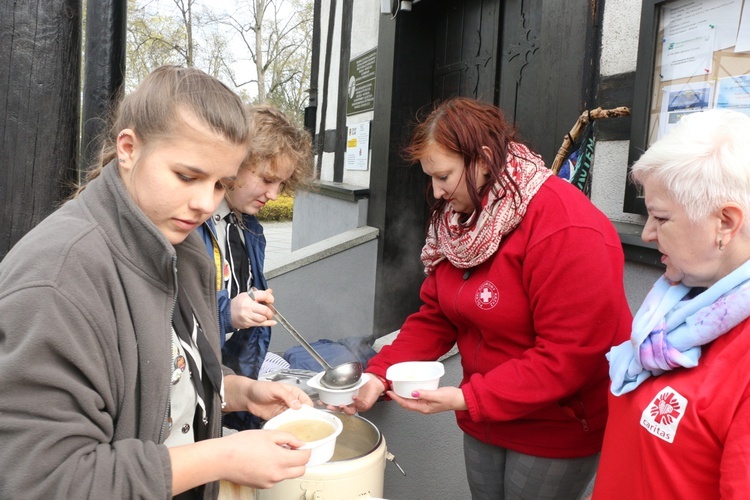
{"x":343,"y":376}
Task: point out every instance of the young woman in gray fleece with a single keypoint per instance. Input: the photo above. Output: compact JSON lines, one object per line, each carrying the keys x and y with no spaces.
{"x":112,"y":385}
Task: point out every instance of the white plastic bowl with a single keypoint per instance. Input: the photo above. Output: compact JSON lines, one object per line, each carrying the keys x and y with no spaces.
{"x":336,"y":397}
{"x":413,"y":376}
{"x":322,"y":449}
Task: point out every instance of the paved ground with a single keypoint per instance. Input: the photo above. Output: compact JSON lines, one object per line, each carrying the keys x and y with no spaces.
{"x":278,"y":241}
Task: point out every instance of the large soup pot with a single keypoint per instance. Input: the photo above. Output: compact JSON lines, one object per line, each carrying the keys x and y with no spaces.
{"x":356,"y":470}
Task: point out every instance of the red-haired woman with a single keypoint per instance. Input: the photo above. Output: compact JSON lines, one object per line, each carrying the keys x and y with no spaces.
{"x":525,"y":275}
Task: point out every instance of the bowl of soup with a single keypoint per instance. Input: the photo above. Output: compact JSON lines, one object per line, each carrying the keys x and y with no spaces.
{"x":317,"y":428}
{"x":413,"y":376}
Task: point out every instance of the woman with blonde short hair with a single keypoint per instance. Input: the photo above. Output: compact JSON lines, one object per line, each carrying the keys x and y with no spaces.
{"x":679,"y":418}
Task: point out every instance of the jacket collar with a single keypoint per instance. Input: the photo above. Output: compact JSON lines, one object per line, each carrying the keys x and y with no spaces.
{"x":124,"y":225}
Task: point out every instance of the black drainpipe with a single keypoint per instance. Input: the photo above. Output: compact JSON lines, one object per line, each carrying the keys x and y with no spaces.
{"x":312,"y":106}
{"x":341,"y":129}
{"x":104,"y":72}
{"x":324,"y":103}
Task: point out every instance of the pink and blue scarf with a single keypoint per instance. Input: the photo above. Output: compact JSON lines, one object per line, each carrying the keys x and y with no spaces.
{"x":672,"y":325}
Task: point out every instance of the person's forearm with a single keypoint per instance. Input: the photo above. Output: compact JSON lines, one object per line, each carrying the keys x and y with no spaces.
{"x":196,"y":464}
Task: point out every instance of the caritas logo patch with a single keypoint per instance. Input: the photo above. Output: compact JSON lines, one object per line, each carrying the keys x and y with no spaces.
{"x":662,"y":417}
{"x":486,"y":295}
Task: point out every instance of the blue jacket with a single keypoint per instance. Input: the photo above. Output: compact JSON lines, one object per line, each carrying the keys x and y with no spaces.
{"x":246,"y":349}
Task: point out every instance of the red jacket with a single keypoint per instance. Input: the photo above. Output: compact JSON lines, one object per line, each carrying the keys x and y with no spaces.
{"x":532,"y":324}
{"x":684,"y":434}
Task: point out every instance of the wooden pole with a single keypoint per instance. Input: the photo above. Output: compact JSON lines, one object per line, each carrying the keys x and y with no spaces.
{"x":39,"y":111}
{"x":575,"y":132}
{"x":104,"y":71}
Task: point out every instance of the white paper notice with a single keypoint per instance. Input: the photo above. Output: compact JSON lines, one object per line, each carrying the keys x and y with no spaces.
{"x":743,"y":34}
{"x":357,"y":146}
{"x":687,"y":54}
{"x":688,"y":15}
{"x":681,"y":100}
{"x":734,"y":93}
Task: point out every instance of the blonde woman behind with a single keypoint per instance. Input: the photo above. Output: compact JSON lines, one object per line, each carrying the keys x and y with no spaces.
{"x":279,"y":158}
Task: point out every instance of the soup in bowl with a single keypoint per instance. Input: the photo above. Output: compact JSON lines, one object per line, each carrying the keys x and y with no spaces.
{"x":317,"y":428}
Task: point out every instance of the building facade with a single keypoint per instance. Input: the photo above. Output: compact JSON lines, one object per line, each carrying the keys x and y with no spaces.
{"x":378,"y":63}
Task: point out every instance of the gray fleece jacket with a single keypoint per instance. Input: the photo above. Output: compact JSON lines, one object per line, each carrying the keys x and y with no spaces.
{"x":86,"y":302}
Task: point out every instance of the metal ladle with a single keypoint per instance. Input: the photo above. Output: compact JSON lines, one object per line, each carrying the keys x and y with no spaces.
{"x":343,"y":376}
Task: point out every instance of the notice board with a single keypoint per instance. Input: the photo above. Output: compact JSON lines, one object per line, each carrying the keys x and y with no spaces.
{"x":693,"y":55}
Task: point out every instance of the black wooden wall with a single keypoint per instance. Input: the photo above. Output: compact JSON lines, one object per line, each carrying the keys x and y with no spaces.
{"x":42,"y":101}
{"x":40,"y":54}
{"x":549,"y":54}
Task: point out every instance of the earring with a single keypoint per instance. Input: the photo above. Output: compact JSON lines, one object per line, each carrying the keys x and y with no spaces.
{"x":121,"y":160}
{"x":721,"y":245}
{"x":122,"y":134}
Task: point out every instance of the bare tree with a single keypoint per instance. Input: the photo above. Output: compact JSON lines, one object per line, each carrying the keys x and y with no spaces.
{"x":290,"y":73}
{"x":174,"y":32}
{"x":154,"y":39}
{"x":276,"y":35}
{"x":215,"y":56}
{"x":272,"y":63}
{"x":185,"y":8}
